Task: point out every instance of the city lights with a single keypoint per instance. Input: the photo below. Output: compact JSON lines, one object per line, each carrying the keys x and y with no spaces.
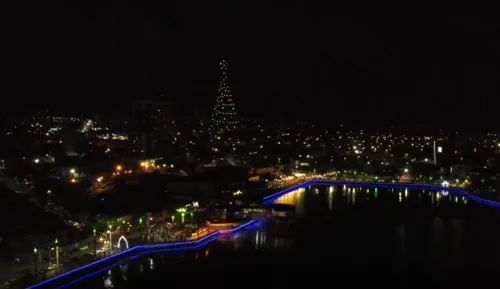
{"x":213,"y":236}
{"x":185,"y":245}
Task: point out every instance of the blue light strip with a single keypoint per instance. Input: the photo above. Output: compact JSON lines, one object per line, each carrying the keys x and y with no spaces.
{"x":267,"y":200}
{"x":140,"y":255}
{"x":226,"y":231}
{"x":294,"y":188}
{"x":182,"y":245}
{"x":185,"y":248}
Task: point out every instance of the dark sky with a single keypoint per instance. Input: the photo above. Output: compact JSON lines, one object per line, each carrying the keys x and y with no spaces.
{"x":383,"y":62}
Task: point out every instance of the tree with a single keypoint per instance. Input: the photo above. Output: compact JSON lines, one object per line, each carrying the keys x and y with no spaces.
{"x":224,"y":117}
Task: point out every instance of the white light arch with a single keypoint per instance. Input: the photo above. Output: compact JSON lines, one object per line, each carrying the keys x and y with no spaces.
{"x":120,"y":240}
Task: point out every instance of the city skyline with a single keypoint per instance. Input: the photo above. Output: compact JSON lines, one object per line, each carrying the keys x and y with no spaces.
{"x":345,"y":64}
{"x":245,"y":136}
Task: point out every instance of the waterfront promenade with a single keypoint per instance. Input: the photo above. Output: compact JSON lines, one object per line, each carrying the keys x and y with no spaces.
{"x":116,"y":259}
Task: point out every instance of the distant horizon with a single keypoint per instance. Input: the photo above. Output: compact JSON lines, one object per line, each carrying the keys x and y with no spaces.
{"x":273,"y":121}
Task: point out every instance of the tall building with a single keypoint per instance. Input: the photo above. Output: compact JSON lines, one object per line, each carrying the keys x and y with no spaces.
{"x":155,"y":128}
{"x":224,"y":117}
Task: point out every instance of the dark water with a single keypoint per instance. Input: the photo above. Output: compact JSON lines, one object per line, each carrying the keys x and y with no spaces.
{"x":343,"y":237}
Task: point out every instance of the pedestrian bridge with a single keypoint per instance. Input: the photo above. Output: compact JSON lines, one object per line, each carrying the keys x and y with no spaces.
{"x":94,"y":268}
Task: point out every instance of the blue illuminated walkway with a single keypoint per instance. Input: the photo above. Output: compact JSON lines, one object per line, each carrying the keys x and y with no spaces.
{"x":135,"y":252}
{"x":139,"y":250}
{"x":269,"y":199}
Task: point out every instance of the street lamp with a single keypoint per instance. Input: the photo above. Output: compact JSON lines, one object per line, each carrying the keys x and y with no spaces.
{"x":95,"y":243}
{"x":140,"y":228}
{"x":110,"y":238}
{"x":57,"y":254}
{"x":35,"y":254}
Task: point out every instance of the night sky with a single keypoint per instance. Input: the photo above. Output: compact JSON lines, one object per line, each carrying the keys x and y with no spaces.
{"x":381,"y":64}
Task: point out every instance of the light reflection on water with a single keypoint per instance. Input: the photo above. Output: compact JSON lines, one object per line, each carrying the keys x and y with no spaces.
{"x":351,"y":195}
{"x":295,"y":198}
{"x":350,"y":226}
{"x":108,"y":280}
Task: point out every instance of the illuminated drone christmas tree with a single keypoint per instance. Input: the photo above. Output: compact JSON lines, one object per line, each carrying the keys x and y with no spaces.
{"x":224,"y":117}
